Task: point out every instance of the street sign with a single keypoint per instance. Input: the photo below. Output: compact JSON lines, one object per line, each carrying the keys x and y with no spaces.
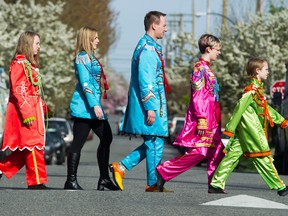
{"x":278,"y":86}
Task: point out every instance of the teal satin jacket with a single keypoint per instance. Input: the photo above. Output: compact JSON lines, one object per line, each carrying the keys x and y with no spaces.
{"x":87,"y":93}
{"x":146,"y":91}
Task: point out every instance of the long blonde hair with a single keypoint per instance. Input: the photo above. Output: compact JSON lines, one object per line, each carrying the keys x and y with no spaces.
{"x":25,"y":47}
{"x":84,"y":38}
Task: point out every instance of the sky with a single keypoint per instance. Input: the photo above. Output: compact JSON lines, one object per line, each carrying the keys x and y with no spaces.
{"x":130,"y":23}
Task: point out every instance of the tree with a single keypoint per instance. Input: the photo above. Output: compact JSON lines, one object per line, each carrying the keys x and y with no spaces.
{"x":57,"y":47}
{"x":57,"y":44}
{"x":179,"y":73}
{"x":262,"y":36}
{"x":89,"y":12}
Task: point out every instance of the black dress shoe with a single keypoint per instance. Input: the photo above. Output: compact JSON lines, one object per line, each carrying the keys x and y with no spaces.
{"x":283,"y":192}
{"x":106,"y":183}
{"x":160,"y":182}
{"x":216,"y":190}
{"x":38,"y":187}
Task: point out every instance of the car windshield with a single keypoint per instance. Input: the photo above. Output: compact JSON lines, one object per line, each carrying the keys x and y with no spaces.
{"x":58,"y":125}
{"x":179,"y":126}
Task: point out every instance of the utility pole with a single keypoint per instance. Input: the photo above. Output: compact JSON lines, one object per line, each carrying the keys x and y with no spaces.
{"x":224,"y":12}
{"x":259,"y":7}
{"x":193,"y":20}
{"x":208,"y":17}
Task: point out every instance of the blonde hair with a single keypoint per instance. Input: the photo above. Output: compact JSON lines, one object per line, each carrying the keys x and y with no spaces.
{"x":253,"y":64}
{"x":25,"y":47}
{"x":84,"y":38}
{"x":208,"y":40}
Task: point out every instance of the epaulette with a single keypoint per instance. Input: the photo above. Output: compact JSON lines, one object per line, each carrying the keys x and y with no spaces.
{"x":82,"y":59}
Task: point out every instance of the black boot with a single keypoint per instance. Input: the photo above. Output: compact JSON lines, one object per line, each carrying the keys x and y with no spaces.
{"x":106,"y":183}
{"x":72,"y":166}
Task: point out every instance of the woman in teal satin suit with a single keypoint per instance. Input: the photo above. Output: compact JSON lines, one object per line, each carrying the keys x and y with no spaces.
{"x":248,"y":131}
{"x":87,"y":111}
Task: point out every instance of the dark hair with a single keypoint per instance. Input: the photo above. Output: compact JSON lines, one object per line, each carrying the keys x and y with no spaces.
{"x":253,"y":64}
{"x":207,"y":40}
{"x":152,"y":17}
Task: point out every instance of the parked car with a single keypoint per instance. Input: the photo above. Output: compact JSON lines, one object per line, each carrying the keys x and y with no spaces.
{"x":175,"y":126}
{"x":176,"y":122}
{"x":63,"y":126}
{"x":90,"y":134}
{"x":48,"y":152}
{"x":120,"y":110}
{"x":55,"y":147}
{"x":119,"y":124}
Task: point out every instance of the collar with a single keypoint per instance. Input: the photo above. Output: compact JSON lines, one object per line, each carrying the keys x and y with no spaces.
{"x":257,"y":83}
{"x":206,"y":62}
{"x":151,"y":41}
{"x":19,"y":57}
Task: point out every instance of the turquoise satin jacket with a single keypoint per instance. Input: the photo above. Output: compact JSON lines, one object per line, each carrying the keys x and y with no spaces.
{"x":87,"y":93}
{"x":146,"y":91}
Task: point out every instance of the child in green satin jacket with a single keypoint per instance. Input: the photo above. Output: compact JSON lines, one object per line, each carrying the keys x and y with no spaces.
{"x":247,"y":129}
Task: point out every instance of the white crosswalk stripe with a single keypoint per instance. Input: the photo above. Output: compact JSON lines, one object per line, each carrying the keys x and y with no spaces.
{"x":247,"y":201}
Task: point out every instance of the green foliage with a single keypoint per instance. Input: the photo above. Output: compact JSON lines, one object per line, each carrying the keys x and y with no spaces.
{"x":275,"y":8}
{"x":264,"y":36}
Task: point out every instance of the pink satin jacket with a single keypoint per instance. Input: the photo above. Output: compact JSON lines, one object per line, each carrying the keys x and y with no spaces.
{"x":203,"y":111}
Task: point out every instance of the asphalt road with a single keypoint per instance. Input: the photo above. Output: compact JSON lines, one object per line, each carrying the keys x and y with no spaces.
{"x":247,"y":193}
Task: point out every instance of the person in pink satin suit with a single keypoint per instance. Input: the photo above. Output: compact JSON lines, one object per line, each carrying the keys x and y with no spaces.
{"x":201,"y":133}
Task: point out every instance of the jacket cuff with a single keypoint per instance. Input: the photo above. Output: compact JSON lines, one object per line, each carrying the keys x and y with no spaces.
{"x":284,"y":124}
{"x":228,"y":133}
{"x":202,"y":124}
{"x":25,"y":121}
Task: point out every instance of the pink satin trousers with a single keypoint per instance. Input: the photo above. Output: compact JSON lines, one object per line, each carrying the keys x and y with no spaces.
{"x":174,"y":167}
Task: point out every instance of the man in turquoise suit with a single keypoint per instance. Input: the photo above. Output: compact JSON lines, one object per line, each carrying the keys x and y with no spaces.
{"x":146,"y":112}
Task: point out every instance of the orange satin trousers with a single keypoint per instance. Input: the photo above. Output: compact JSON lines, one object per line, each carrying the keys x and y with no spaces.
{"x":35,"y":165}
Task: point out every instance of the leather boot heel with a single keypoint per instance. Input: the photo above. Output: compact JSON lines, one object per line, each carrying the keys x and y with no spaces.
{"x":106,"y":183}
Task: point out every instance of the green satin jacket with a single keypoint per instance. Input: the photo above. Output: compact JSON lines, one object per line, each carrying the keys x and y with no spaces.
{"x":250,"y":120}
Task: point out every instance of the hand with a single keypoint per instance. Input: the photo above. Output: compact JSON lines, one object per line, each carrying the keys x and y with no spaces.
{"x":201,"y":132}
{"x":29,"y":123}
{"x":98,"y":112}
{"x":151,"y":116}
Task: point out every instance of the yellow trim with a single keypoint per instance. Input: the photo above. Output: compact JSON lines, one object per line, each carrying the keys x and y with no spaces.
{"x":275,"y":172}
{"x":35,"y":167}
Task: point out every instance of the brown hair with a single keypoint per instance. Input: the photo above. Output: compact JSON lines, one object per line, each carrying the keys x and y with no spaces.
{"x":25,"y":47}
{"x":207,"y":40}
{"x":84,"y":38}
{"x":152,"y":17}
{"x":253,"y":64}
